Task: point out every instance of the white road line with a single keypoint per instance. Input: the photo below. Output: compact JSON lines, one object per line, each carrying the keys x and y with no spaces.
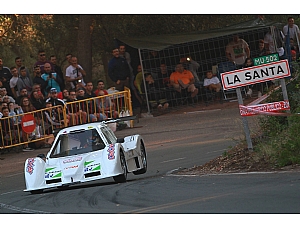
{"x":177,"y":159}
{"x":24,"y":210}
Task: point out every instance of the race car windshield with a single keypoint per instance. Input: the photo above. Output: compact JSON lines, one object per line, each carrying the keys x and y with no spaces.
{"x":78,"y":142}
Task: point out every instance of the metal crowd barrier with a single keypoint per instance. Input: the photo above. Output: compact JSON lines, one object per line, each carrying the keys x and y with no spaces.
{"x":38,"y":125}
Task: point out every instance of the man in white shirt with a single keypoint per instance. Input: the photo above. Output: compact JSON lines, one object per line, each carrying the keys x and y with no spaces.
{"x":13,"y":81}
{"x":74,"y":73}
{"x":293,"y":29}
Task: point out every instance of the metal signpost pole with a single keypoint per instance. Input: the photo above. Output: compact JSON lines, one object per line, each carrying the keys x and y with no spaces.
{"x":245,"y":121}
{"x":284,"y":91}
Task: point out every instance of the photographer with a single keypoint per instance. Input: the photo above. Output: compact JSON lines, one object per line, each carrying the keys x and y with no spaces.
{"x":50,"y":77}
{"x":75,"y":73}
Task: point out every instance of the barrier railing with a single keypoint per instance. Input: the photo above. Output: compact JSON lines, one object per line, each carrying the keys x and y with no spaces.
{"x":37,"y":126}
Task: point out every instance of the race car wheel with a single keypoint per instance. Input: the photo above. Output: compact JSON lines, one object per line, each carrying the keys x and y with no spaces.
{"x":144,"y":161}
{"x":122,"y":177}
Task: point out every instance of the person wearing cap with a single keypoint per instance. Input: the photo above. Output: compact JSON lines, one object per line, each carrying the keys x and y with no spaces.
{"x":51,"y":78}
{"x":55,"y":101}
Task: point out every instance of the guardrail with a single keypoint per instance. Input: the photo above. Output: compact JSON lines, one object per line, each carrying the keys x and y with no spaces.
{"x":38,"y":126}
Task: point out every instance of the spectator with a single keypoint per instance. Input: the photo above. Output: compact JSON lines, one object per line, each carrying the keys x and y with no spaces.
{"x":90,"y":107}
{"x":26,"y":107}
{"x":51,"y":78}
{"x":55,"y":101}
{"x":37,"y":100}
{"x":42,"y":60}
{"x":5,"y":76}
{"x":105,"y":103}
{"x":212,"y":82}
{"x":138,"y":81}
{"x":119,"y":71}
{"x":100,"y":91}
{"x":6,"y":99}
{"x":39,"y":80}
{"x":13,"y":82}
{"x":4,"y":94}
{"x":15,"y":109}
{"x":50,"y":122}
{"x":7,"y":127}
{"x":192,"y":66}
{"x":18,"y":62}
{"x":183,"y":79}
{"x":293,"y":45}
{"x":292,"y":29}
{"x":261,"y":49}
{"x":12,"y":112}
{"x":64,"y":95}
{"x":75,"y":73}
{"x":2,"y":105}
{"x":237,"y":51}
{"x":274,"y":46}
{"x":155,"y":95}
{"x":152,"y":63}
{"x":295,"y":64}
{"x":126,"y":55}
{"x":24,"y":81}
{"x":23,"y":93}
{"x":77,"y":115}
{"x":58,"y":71}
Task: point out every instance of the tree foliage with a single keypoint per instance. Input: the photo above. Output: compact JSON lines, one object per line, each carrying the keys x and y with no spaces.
{"x":24,"y":35}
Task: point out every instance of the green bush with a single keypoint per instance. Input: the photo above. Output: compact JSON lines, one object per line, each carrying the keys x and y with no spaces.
{"x":281,"y":142}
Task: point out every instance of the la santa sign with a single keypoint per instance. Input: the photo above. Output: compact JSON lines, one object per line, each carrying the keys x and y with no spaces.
{"x":255,"y":74}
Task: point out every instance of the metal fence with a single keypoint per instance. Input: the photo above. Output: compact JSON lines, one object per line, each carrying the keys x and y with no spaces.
{"x":38,"y":126}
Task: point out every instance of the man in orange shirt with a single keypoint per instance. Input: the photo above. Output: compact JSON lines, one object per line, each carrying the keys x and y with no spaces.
{"x":183,"y":79}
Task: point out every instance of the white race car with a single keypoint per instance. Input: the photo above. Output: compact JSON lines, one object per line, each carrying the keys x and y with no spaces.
{"x":85,"y":153}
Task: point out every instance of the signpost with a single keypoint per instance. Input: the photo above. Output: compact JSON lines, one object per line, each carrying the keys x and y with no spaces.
{"x":28,"y":123}
{"x":255,"y":74}
{"x":266,"y":68}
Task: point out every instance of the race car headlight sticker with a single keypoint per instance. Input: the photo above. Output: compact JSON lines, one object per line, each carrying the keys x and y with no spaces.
{"x":111,"y":152}
{"x":29,"y":167}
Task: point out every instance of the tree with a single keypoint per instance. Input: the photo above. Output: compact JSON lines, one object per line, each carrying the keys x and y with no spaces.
{"x":84,"y":42}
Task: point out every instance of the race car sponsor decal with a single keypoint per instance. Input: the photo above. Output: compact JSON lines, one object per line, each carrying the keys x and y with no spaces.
{"x":111,"y":152}
{"x":72,"y":160}
{"x":50,"y":173}
{"x":53,"y":174}
{"x":30,"y":165}
{"x":72,"y":167}
{"x":89,"y":166}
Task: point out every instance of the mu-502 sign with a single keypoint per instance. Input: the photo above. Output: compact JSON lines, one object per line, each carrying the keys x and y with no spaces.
{"x":255,"y":74}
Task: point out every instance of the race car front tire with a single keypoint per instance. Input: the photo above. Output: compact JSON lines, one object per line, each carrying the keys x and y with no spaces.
{"x":144,"y":161}
{"x":121,"y":178}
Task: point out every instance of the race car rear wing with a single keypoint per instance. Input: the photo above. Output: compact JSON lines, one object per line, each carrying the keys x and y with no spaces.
{"x":120,"y":119}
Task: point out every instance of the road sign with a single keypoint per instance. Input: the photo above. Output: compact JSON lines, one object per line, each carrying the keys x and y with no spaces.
{"x":267,"y":108}
{"x":255,"y":74}
{"x":28,"y":123}
{"x":266,"y":59}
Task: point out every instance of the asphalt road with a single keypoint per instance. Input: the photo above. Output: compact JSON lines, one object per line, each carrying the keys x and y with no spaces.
{"x":175,"y":140}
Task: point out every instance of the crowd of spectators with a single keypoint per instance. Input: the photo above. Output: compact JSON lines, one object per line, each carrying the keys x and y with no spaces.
{"x":46,"y":94}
